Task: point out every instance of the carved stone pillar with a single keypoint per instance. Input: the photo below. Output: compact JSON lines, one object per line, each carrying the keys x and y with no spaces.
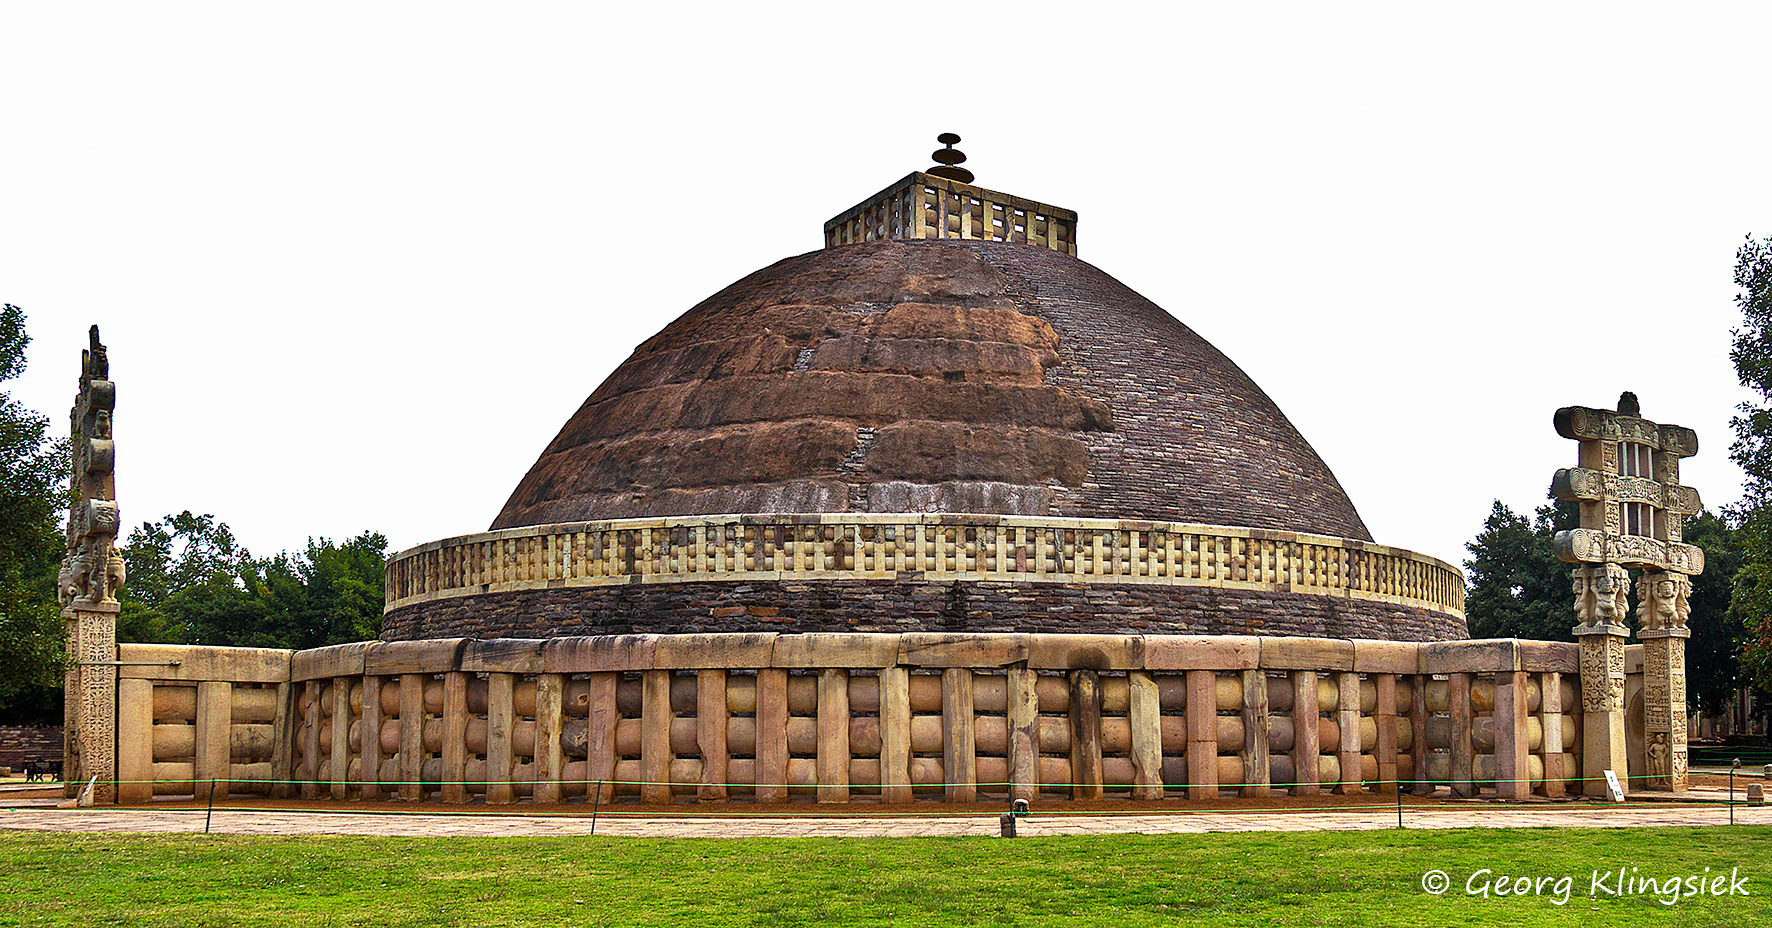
{"x":1601,"y":599}
{"x":1662,"y":610}
{"x":91,"y":575}
{"x":90,"y":732}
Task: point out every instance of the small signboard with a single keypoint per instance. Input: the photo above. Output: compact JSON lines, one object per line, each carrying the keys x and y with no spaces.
{"x":1613,"y":787}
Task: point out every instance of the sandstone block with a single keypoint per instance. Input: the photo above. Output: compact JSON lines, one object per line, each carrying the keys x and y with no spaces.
{"x":236,"y":665}
{"x":836,"y":649}
{"x":1319,"y":654}
{"x":1086,"y":652}
{"x":503,"y":655}
{"x":719,"y":651}
{"x":437,"y":655}
{"x":1203,"y":652}
{"x":339,"y":660}
{"x":1550,"y":656}
{"x":599,"y":653}
{"x":1494,"y":655}
{"x":960,"y":649}
{"x":1386,"y":656}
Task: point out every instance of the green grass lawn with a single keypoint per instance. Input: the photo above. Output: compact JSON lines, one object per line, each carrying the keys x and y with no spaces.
{"x":1345,"y":878}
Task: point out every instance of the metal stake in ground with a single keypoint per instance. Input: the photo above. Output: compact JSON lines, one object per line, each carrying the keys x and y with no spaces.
{"x":1732,"y":768}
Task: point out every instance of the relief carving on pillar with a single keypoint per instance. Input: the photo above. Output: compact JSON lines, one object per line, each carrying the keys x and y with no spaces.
{"x":92,"y":573}
{"x":1602,"y":673}
{"x":1658,"y":765}
{"x":1602,"y":594}
{"x":1663,"y":601}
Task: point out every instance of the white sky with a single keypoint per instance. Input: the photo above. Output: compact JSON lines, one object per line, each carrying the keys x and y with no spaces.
{"x":356,"y":263}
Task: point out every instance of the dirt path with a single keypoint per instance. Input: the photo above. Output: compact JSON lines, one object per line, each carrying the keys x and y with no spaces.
{"x":811,"y":822}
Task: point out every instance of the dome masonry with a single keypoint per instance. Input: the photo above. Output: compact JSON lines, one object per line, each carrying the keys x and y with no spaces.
{"x":941,"y":420}
{"x":939,"y":375}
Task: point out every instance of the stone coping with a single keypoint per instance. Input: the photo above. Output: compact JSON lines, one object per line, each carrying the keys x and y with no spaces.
{"x":935,"y":650}
{"x":941,"y":547}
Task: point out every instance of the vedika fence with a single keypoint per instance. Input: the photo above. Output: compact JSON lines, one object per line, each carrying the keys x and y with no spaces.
{"x":760,"y":716}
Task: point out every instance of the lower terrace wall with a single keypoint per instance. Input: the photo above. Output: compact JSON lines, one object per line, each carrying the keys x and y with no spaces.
{"x":799,"y":606}
{"x":843,"y":717}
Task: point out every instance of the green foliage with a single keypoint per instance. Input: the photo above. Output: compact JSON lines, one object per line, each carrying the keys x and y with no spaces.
{"x":1750,"y":606}
{"x":33,"y":475}
{"x":1517,"y":587}
{"x":1713,"y":653}
{"x":191,"y":582}
{"x":1751,"y":352}
{"x":189,"y":556}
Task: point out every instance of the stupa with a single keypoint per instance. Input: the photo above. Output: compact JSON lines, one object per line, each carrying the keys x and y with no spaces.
{"x":943,"y":420}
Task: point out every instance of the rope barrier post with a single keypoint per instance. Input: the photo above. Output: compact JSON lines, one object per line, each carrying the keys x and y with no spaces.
{"x":1399,"y":805}
{"x":211,"y":812}
{"x":596,"y":803}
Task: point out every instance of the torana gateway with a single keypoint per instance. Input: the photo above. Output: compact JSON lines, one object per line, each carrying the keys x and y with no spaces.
{"x":938,"y":510}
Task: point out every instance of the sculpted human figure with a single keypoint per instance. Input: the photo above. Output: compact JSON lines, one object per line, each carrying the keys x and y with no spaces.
{"x":1658,"y":758}
{"x":1585,"y":606}
{"x":1610,"y":598}
{"x":1663,"y":601}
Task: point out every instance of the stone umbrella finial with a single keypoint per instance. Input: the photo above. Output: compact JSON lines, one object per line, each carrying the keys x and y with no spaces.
{"x":1627,"y":404}
{"x":949,"y":158}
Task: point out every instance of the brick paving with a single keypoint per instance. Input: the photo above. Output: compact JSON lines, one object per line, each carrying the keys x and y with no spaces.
{"x":279,"y":822}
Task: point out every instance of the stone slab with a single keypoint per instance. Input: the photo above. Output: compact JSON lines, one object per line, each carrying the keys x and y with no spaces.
{"x":1386,"y":656}
{"x":196,"y":662}
{"x":598,"y":653}
{"x":436,"y":655}
{"x":1550,"y":656}
{"x":1489,"y":655}
{"x":339,"y":660}
{"x":1086,"y":652}
{"x":836,"y":649}
{"x":961,"y":649}
{"x":715,"y":651}
{"x":1319,"y":654}
{"x":1202,"y":652}
{"x":504,"y":655}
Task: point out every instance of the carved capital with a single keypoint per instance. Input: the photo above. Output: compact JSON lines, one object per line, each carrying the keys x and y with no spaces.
{"x":1602,"y":595}
{"x":1663,"y":601}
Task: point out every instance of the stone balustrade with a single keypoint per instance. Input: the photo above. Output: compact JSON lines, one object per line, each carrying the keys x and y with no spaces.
{"x":939,"y":546}
{"x":837,"y":717}
{"x":925,"y":206}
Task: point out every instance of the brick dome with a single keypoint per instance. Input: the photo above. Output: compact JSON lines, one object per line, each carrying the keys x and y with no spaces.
{"x":934,"y":375}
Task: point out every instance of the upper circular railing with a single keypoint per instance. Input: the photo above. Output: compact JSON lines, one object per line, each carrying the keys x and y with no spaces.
{"x":843,"y":546}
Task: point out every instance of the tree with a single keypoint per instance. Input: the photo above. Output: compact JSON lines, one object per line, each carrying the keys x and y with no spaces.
{"x":169,"y":557}
{"x":33,"y":476}
{"x":191,"y":582}
{"x":1751,"y":353}
{"x":1713,"y":653}
{"x":328,"y":594}
{"x":1517,"y":587}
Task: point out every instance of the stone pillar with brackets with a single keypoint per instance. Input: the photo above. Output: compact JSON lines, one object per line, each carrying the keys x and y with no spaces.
{"x":1632,"y":506}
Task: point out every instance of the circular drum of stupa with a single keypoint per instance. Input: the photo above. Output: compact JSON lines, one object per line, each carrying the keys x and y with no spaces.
{"x":926,"y":434}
